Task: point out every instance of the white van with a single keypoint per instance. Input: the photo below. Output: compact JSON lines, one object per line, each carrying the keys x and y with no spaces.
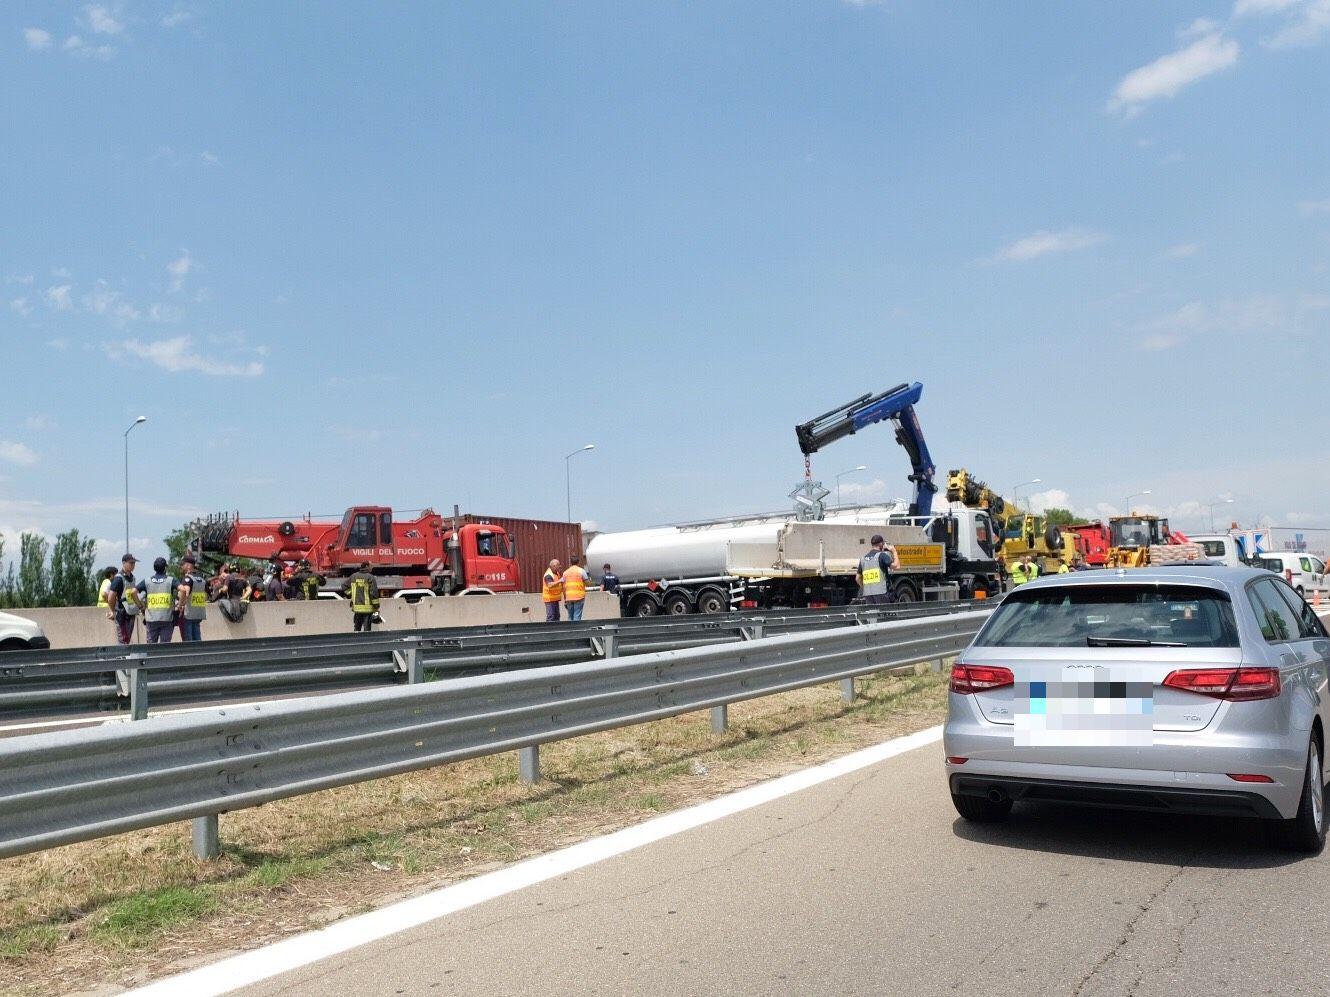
{"x":1305,"y":572}
{"x":1219,"y":547}
{"x":18,"y":634}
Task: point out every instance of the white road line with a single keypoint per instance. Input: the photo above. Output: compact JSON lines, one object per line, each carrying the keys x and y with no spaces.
{"x":302,"y":950}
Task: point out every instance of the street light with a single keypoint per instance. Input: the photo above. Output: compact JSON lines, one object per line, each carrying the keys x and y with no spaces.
{"x":142,"y":418}
{"x":568,"y":476}
{"x":1016,"y":492}
{"x":1212,"y":511}
{"x":861,"y":467}
{"x":1133,"y":495}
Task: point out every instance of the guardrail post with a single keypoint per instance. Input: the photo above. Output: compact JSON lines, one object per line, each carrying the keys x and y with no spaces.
{"x":755,"y":629}
{"x":609,"y":642}
{"x":528,"y":764}
{"x":408,"y":660}
{"x":720,"y":718}
{"x":132,"y":683}
{"x":207,"y":844}
{"x":847,"y":690}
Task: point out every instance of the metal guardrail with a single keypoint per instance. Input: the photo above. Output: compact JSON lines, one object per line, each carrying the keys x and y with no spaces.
{"x":91,"y":681}
{"x":58,"y":788}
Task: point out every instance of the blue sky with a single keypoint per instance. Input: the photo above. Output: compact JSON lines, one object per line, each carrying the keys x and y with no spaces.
{"x":416,"y":253}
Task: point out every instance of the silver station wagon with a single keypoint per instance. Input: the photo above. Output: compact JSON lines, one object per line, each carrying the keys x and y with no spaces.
{"x":1190,"y":689}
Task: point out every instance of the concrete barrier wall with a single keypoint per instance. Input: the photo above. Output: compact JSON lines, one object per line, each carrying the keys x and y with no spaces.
{"x":89,"y":627}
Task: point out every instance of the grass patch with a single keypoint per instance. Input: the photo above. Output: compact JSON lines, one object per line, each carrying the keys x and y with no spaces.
{"x":136,"y":920}
{"x":28,"y":940}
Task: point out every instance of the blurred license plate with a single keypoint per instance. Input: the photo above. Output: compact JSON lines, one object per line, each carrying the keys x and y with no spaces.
{"x":1085,"y":707}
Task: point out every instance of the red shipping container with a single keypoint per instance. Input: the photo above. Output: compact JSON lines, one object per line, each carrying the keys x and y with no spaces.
{"x":537,"y":541}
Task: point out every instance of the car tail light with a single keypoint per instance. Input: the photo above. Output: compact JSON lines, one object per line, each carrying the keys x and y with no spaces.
{"x":1237,"y":684}
{"x":1249,"y":777}
{"x":957,"y":759}
{"x":966,"y":679}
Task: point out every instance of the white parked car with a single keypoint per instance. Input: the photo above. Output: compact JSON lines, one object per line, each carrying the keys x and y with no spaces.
{"x":1305,"y":572}
{"x":18,"y":634}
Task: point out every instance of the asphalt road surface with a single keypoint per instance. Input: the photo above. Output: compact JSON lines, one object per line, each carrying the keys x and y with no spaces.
{"x":870,"y":884}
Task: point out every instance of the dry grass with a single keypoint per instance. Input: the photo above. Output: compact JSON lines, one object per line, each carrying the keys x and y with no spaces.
{"x":126,"y":909}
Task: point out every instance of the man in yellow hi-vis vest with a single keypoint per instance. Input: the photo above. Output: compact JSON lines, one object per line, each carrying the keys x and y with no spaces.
{"x":551,"y":590}
{"x":363,"y":590}
{"x":574,"y":589}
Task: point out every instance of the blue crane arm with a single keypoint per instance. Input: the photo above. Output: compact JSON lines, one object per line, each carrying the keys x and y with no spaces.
{"x":867,"y":410}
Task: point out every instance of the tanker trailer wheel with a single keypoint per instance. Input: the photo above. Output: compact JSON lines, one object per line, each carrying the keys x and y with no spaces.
{"x":644,"y":605}
{"x":678,"y":604}
{"x":712,"y":601}
{"x":906,"y":592}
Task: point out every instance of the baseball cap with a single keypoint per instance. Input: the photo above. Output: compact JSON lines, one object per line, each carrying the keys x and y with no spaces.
{"x":876,"y":538}
{"x":129,"y":557}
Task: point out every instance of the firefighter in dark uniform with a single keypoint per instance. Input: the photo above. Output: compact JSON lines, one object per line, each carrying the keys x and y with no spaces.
{"x":363,"y":590}
{"x":307,"y":582}
{"x":874,"y":572}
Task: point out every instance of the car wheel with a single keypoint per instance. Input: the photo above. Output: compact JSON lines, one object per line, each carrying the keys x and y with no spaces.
{"x":13,"y":644}
{"x":979,"y":809}
{"x":1305,"y":832}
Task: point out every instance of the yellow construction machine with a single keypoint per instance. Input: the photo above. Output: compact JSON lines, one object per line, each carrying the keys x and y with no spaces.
{"x":1138,"y":541}
{"x":1020,"y":532}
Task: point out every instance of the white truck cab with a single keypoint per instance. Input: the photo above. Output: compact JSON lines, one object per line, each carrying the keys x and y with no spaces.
{"x":1219,"y":547}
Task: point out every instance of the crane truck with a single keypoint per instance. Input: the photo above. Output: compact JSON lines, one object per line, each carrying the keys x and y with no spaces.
{"x":809,"y":558}
{"x":428,"y":555}
{"x":1019,"y":532}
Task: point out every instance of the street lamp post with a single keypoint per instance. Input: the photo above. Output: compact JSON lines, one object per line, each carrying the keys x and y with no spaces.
{"x":861,"y":467}
{"x":140,"y":419}
{"x":1016,"y":492}
{"x":568,"y":476}
{"x":1127,"y":511}
{"x":1228,"y":501}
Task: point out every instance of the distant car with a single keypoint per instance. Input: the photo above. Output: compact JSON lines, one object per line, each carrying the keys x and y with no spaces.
{"x":18,"y":634}
{"x":1193,"y":690}
{"x":1305,"y":572}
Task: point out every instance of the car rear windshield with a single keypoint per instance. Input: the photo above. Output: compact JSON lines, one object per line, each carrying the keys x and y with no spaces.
{"x":1108,"y":615}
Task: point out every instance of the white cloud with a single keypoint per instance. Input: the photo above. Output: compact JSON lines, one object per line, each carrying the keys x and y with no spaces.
{"x":1182,"y":250}
{"x":1168,"y":75}
{"x":1315,"y":207}
{"x":59,"y":298}
{"x":1041,"y":502}
{"x":861,"y":492}
{"x":1259,"y":8}
{"x":1160,"y":341}
{"x":17,"y":453}
{"x":1044,"y":242}
{"x":21,"y":305}
{"x":58,"y":344}
{"x":76,"y":46}
{"x":102,"y":21}
{"x":177,"y":355}
{"x":103,"y":300}
{"x":25,"y":279}
{"x":176,"y":17}
{"x":38,"y":422}
{"x":37,"y":38}
{"x":209,"y":158}
{"x":1307,"y":23}
{"x":158,"y":312}
{"x":1198,"y":28}
{"x":179,"y":269}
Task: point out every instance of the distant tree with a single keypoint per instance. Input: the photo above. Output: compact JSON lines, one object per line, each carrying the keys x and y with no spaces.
{"x":177,"y":543}
{"x":34,"y":580}
{"x":1063,"y":517}
{"x":72,"y":580}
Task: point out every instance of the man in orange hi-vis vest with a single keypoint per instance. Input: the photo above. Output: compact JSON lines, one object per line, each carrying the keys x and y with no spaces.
{"x":574,"y":589}
{"x":551,"y":590}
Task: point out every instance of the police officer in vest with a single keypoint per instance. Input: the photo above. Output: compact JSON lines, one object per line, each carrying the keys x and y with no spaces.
{"x":874,"y":572}
{"x":191,"y":599}
{"x":362,"y":589}
{"x":159,"y":600}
